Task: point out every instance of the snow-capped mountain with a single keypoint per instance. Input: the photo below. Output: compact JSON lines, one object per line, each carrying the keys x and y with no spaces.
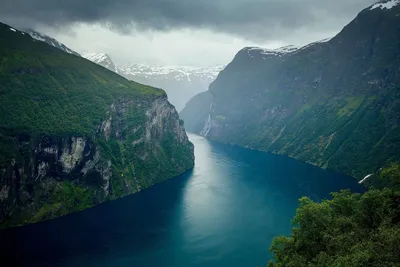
{"x":180,"y":82}
{"x":386,"y":4}
{"x":274,"y":52}
{"x":255,"y":52}
{"x":102,"y":59}
{"x":49,"y":40}
{"x":286,"y":101}
{"x":179,"y":73}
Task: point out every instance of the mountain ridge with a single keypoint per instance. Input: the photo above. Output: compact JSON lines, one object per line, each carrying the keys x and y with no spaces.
{"x":102,"y":59}
{"x":329,"y":103}
{"x":50,"y":40}
{"x":180,"y":82}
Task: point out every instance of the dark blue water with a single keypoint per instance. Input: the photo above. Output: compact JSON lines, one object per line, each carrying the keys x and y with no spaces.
{"x":223,"y":213}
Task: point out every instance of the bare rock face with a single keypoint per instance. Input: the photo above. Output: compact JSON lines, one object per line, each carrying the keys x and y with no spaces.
{"x":72,"y":155}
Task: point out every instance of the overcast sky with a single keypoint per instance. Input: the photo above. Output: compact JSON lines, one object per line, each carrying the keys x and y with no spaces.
{"x":181,"y":32}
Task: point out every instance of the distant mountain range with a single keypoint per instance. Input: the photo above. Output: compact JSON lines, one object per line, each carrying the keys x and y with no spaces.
{"x":333,"y":103}
{"x":180,"y":82}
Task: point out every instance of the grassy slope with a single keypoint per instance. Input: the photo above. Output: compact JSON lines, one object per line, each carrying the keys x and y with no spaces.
{"x":54,"y":92}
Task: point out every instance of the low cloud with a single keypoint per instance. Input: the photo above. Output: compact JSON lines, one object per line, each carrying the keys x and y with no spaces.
{"x":250,"y":19}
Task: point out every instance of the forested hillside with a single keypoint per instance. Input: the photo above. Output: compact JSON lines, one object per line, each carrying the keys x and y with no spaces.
{"x":74,"y":134}
{"x":333,"y":103}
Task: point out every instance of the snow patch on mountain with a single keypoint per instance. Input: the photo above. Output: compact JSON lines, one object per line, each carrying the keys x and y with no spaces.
{"x":282,"y":50}
{"x":51,"y":41}
{"x":102,"y":59}
{"x":324,"y":40}
{"x":97,"y":57}
{"x":36,"y":36}
{"x":180,"y":82}
{"x":386,"y":4}
{"x":314,"y":43}
{"x":279,"y":52}
{"x":254,"y":51}
{"x":178,"y":73}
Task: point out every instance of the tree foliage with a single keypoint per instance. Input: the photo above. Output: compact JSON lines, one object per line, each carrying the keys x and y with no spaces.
{"x":348,"y":230}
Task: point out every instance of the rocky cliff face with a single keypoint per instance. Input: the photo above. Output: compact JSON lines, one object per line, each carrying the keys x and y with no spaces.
{"x":333,"y":103}
{"x":54,"y":175}
{"x":74,"y":134}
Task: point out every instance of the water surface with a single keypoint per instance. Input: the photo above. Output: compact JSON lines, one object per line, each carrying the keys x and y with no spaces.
{"x":223,"y":213}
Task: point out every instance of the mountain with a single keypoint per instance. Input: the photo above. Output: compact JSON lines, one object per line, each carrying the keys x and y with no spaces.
{"x":74,"y":134}
{"x":334,"y":103}
{"x":102,"y":59}
{"x":180,"y":82}
{"x":49,"y":40}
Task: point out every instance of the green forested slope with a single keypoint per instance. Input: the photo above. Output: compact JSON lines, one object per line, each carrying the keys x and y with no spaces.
{"x":45,"y":90}
{"x":334,"y":104}
{"x":74,"y":134}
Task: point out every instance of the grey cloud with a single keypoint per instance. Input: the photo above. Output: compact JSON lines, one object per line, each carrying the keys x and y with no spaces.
{"x":250,"y":19}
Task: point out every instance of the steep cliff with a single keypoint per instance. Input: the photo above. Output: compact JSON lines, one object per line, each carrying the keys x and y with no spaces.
{"x":333,"y":103}
{"x":198,"y":109}
{"x":73,"y":134}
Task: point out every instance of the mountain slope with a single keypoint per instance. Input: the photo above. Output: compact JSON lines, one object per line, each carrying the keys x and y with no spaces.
{"x":73,"y":134}
{"x":333,"y":103}
{"x":102,"y":59}
{"x":49,"y":40}
{"x":180,"y":82}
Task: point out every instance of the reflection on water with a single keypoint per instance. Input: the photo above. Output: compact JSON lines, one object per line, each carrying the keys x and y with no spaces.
{"x":224,"y":212}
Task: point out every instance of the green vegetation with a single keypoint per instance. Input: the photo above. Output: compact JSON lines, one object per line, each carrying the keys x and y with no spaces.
{"x":390,"y":176}
{"x":129,"y":136}
{"x":349,"y":230}
{"x":53,"y":92}
{"x":353,"y":103}
{"x":333,"y":104}
{"x":64,"y":199}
